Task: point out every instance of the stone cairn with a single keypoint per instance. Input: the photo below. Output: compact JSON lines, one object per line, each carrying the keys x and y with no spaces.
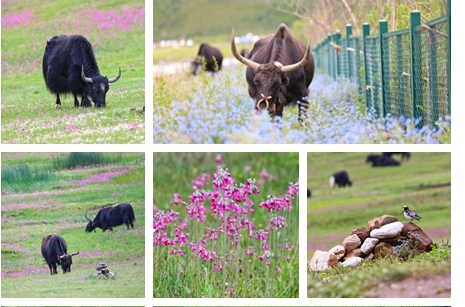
{"x":103,"y":272}
{"x":385,"y":235}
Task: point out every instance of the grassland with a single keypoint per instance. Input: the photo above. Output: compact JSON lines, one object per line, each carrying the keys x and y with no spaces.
{"x":422,"y":183}
{"x":239,"y":265}
{"x":28,"y":109}
{"x":57,"y":203}
{"x":213,"y":20}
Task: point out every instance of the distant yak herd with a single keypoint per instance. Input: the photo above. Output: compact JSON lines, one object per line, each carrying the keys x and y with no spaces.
{"x":341,"y":179}
{"x":55,"y":250}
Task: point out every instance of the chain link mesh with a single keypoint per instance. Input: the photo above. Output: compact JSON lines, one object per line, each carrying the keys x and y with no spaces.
{"x":431,"y":85}
{"x":396,"y":74}
{"x":427,"y":82}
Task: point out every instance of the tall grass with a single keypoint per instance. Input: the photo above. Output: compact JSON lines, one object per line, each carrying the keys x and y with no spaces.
{"x":21,"y":176}
{"x":84,"y":159}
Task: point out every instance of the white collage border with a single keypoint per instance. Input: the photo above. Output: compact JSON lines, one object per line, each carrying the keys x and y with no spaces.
{"x":149,"y":148}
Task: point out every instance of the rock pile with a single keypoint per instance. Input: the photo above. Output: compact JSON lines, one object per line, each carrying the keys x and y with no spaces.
{"x":103,"y":272}
{"x":385,"y":234}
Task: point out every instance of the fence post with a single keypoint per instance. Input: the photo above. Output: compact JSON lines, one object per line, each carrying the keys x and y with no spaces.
{"x":448,"y":54}
{"x":383,"y":29}
{"x":368,"y":85}
{"x":358,"y":77}
{"x":400,"y":67}
{"x":330,"y":52}
{"x":350,"y":59}
{"x":416,"y":80}
{"x":337,"y":38}
{"x":433,"y":77}
{"x":334,"y":57}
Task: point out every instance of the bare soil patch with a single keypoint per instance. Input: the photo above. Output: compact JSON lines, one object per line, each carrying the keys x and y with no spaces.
{"x":438,"y":286}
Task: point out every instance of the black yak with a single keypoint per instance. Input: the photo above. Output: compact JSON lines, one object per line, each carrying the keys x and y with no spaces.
{"x":55,"y":251}
{"x":340,"y":179}
{"x":109,"y":217}
{"x":403,"y":155}
{"x":279,"y":72}
{"x":69,"y":66}
{"x":209,"y":56}
{"x":380,"y":160}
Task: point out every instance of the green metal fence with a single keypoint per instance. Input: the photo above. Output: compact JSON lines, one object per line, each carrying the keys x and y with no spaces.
{"x":402,"y":73}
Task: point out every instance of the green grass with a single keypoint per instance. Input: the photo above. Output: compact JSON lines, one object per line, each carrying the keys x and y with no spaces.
{"x":364,"y":281}
{"x":28,"y":109}
{"x":244,"y":276}
{"x":422,"y":183}
{"x":59,"y":207}
{"x":178,"y":19}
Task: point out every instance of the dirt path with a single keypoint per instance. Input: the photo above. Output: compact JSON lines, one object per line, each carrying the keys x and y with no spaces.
{"x":431,"y":287}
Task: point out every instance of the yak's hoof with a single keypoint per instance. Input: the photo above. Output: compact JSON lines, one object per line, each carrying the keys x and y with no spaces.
{"x":57,"y":106}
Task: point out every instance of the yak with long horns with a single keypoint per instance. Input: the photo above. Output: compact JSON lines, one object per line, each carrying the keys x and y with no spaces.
{"x":69,"y":66}
{"x":279,"y":72}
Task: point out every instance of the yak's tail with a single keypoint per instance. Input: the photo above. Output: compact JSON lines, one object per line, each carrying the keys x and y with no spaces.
{"x":331,"y":181}
{"x":132,"y":217}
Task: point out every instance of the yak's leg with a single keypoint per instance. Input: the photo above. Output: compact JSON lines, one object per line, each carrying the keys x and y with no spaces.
{"x":302,"y":104}
{"x":53,"y":268}
{"x":76,"y":102}
{"x":58,"y":102}
{"x":85,"y":101}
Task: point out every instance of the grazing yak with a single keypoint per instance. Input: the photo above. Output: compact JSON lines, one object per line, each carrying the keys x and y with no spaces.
{"x":245,"y":53}
{"x":380,"y":160}
{"x":404,"y":155}
{"x":279,"y":72}
{"x":69,"y":66}
{"x":209,"y":56}
{"x":340,"y":179}
{"x":109,"y":217}
{"x":309,"y":193}
{"x":55,"y":251}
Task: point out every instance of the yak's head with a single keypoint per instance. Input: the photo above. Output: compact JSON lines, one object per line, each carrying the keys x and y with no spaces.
{"x":90,"y":225}
{"x":270,"y":79}
{"x":197,"y":64}
{"x":370,"y":158}
{"x":97,"y":87}
{"x":66,"y":261}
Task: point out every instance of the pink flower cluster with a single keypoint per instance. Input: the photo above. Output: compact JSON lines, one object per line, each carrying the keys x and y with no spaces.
{"x":17,"y":19}
{"x":277,"y":203}
{"x":231,"y":205}
{"x":102,"y":176}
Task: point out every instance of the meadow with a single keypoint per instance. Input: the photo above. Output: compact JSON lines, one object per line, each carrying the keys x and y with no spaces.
{"x":115,"y":29}
{"x":217,"y":109}
{"x":225,"y":225}
{"x":45,"y":193}
{"x":423,"y":183}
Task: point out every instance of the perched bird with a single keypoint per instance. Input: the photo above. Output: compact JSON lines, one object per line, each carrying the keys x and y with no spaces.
{"x":411,"y":215}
